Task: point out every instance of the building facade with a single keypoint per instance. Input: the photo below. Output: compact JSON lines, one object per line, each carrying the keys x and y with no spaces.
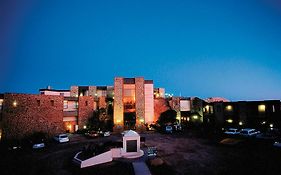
{"x":133,"y":103}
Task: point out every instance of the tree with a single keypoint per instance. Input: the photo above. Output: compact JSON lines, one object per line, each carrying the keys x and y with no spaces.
{"x":167,"y":117}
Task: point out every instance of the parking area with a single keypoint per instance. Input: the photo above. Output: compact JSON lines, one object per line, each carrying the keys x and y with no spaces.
{"x":184,"y":153}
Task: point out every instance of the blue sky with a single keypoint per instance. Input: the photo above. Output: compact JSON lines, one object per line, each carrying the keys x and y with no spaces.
{"x":205,"y":48}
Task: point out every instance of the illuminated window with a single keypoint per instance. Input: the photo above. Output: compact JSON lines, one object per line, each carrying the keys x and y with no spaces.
{"x":229,"y":108}
{"x":65,"y":104}
{"x":261,"y":108}
{"x":1,"y":103}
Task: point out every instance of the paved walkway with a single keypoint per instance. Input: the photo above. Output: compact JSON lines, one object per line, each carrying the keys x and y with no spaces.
{"x":140,"y":168}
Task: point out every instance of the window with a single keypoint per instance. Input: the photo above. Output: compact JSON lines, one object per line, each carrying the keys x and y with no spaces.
{"x":52,"y":103}
{"x":1,"y":103}
{"x":76,"y":105}
{"x":38,"y":102}
{"x":65,"y":104}
{"x":62,"y":94}
{"x":86,"y":103}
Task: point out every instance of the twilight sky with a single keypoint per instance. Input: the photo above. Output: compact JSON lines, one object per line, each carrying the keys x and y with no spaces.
{"x":207,"y":48}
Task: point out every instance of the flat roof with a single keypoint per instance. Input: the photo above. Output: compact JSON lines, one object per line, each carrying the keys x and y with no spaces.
{"x":55,"y":90}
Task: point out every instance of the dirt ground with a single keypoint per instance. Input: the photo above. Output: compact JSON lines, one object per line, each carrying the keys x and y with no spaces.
{"x":193,"y":155}
{"x":183,"y":153}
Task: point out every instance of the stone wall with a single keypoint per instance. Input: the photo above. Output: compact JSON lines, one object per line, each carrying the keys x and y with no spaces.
{"x":92,"y":91}
{"x":102,"y":102}
{"x":74,"y":91}
{"x":140,"y":100}
{"x":118,"y":104}
{"x":85,"y":110}
{"x":31,"y":113}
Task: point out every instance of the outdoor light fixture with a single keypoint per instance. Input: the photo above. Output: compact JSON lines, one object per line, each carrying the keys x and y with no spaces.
{"x":240,"y":123}
{"x":85,"y":127}
{"x":69,"y":126}
{"x":264,"y":122}
{"x":271,"y":125}
{"x":195,"y":117}
{"x":229,"y":121}
{"x":141,"y":120}
{"x":187,"y":118}
{"x":15,"y":103}
{"x":229,"y":107}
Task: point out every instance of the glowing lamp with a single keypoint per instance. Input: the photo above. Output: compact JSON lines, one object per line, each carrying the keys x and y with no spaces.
{"x":240,"y":123}
{"x":271,"y":125}
{"x":229,"y":121}
{"x":141,"y":120}
{"x":15,"y":103}
{"x":85,"y":127}
{"x":229,"y":107}
{"x":195,"y":117}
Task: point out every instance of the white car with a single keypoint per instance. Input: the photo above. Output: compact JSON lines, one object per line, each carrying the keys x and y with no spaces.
{"x":61,"y":138}
{"x":248,"y":132}
{"x":106,"y":133}
{"x":232,"y":131}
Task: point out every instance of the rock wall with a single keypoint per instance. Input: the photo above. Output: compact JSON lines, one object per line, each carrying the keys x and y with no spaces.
{"x":24,"y":114}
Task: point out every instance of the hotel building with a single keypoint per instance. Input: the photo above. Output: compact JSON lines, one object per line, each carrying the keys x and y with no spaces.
{"x":133,"y":103}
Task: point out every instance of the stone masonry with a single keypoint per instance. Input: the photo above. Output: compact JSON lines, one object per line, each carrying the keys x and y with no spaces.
{"x":118,"y":104}
{"x":24,"y":114}
{"x":140,"y":100}
{"x":85,"y":110}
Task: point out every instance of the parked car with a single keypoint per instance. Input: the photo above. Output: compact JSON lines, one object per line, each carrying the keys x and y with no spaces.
{"x":36,"y":140}
{"x":248,"y":132}
{"x":232,"y":131}
{"x":277,"y":143}
{"x":92,"y":134}
{"x":104,"y":133}
{"x":267,"y":136}
{"x":61,"y":138}
{"x":169,"y":129}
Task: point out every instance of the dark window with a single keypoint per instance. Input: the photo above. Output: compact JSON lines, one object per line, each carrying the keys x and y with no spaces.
{"x":38,"y":102}
{"x":52,"y":103}
{"x":86,"y":103}
{"x":131,"y":145}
